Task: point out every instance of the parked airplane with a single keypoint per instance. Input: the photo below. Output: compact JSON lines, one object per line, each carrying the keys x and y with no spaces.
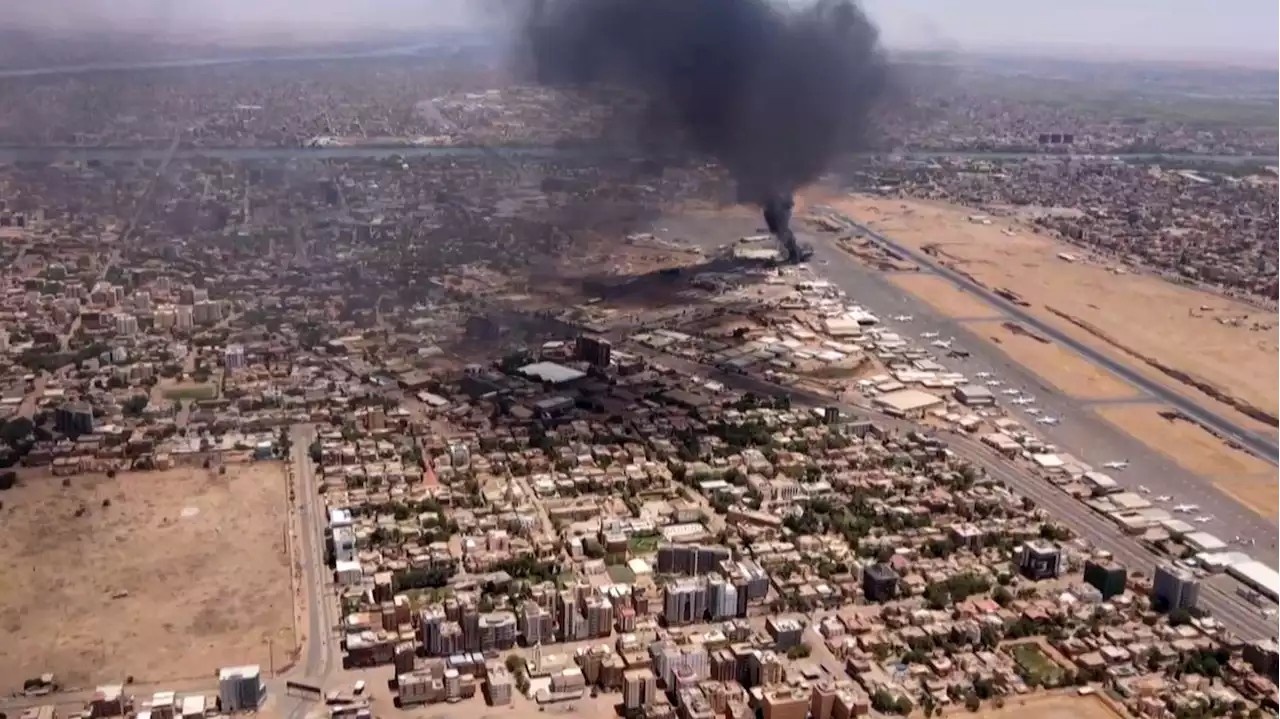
{"x":1011,"y":392}
{"x":1186,"y":508}
{"x":1031,"y":411}
{"x":928,"y":335}
{"x":902,"y":318}
{"x":1163,"y":498}
{"x":1048,"y":420}
{"x":1117,"y":464}
{"x":1144,"y":489}
{"x":944,"y":344}
{"x":982,"y":375}
{"x":1025,"y":400}
{"x":1202,"y":520}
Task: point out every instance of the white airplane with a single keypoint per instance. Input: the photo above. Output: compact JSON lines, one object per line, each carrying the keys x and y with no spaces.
{"x":928,"y":335}
{"x":1048,"y":420}
{"x":1031,"y":411}
{"x":1117,"y":464}
{"x":903,"y":318}
{"x":944,"y":344}
{"x":994,"y":383}
{"x":982,"y":375}
{"x":1011,"y":392}
{"x":1204,"y":519}
{"x":1163,"y":498}
{"x":1025,"y":400}
{"x":1186,"y":508}
{"x":1144,"y":489}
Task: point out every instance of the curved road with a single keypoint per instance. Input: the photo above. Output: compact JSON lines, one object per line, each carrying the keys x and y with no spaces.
{"x":1261,"y":446}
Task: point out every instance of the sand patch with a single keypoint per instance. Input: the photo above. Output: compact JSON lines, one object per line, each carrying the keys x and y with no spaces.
{"x":1070,"y":373}
{"x":1260,"y":493}
{"x":946,"y":298}
{"x":1051,"y":707}
{"x":1185,"y":442}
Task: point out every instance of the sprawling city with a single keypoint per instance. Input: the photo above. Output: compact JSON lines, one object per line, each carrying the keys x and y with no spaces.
{"x":377,"y":384}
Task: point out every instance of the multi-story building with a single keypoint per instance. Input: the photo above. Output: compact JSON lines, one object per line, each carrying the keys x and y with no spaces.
{"x":497,"y":631}
{"x":126,"y":325}
{"x":786,"y":631}
{"x":639,"y":688}
{"x":1040,"y":559}
{"x":74,"y":419}
{"x":670,"y":659}
{"x":233,"y":358}
{"x":684,"y":602}
{"x":1106,"y":576}
{"x":569,"y":616}
{"x":691,"y":559}
{"x":1174,"y":588}
{"x":536,"y":624}
{"x":784,"y":703}
{"x":599,"y":617}
{"x":879,"y":583}
{"x":497,"y":686}
{"x":722,"y":598}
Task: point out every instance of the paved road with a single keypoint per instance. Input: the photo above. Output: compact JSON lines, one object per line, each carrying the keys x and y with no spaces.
{"x":1263,"y":447}
{"x":321,"y":651}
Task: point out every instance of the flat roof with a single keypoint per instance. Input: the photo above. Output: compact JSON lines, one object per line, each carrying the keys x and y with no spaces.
{"x":551,"y":372}
{"x":907,"y":400}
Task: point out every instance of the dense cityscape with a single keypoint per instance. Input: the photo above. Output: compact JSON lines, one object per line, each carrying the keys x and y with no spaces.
{"x":386,"y":385}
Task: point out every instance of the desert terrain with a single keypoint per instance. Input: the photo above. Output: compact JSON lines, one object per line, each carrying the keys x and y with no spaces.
{"x":1126,"y":315}
{"x":1053,"y":707}
{"x":1072,"y":374}
{"x":151,"y":575}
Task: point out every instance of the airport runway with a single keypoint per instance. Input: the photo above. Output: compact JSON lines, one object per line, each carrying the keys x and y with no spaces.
{"x":1082,"y":433}
{"x":1263,"y":447}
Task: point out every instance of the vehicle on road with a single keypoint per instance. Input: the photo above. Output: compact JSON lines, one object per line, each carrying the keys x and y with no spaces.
{"x":1116,"y":464}
{"x":1186,"y":508}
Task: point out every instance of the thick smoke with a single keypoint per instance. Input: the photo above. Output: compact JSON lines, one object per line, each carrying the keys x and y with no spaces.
{"x":771,"y":93}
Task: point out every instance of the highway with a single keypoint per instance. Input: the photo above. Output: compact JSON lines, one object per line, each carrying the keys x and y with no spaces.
{"x":1258,"y":445}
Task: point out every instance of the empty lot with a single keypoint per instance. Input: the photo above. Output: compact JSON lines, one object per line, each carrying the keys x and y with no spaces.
{"x":1052,"y":707}
{"x":154,"y":575}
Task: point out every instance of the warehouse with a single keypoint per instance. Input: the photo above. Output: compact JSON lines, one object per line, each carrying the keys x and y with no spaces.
{"x":973,"y":395}
{"x":1259,"y":577}
{"x":908,"y":402}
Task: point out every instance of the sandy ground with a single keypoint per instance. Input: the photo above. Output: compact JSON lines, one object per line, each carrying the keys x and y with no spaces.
{"x":1070,"y":373}
{"x":1250,"y":480}
{"x":946,"y":298}
{"x":1147,"y":316}
{"x":1050,"y":707}
{"x":182,"y":572}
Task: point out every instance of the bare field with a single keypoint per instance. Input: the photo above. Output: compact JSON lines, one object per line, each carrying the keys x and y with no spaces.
{"x":1053,"y":707}
{"x":946,"y":298}
{"x":1260,"y":493}
{"x":1146,"y":316}
{"x":1070,"y":373}
{"x":1198,"y":451}
{"x":162,"y":576}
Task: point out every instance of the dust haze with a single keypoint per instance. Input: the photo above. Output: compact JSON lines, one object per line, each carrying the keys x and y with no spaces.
{"x":247,"y":22}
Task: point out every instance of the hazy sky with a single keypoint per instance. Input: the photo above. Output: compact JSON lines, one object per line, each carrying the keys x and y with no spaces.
{"x":1202,"y":30}
{"x":1168,"y":29}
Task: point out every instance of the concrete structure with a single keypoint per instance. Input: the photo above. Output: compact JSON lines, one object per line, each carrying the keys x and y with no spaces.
{"x":879,"y":583}
{"x":1039,"y":559}
{"x":1107,"y":577}
{"x":240,"y":689}
{"x":1174,"y":588}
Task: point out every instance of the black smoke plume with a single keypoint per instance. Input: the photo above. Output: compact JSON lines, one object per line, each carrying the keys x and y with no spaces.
{"x":771,"y":93}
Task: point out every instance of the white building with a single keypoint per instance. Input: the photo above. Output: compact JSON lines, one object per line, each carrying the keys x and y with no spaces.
{"x":184,"y":318}
{"x":233,"y":358}
{"x":126,"y":325}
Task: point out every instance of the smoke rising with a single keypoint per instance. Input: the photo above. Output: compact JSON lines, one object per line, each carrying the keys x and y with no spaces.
{"x":772,"y":93}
